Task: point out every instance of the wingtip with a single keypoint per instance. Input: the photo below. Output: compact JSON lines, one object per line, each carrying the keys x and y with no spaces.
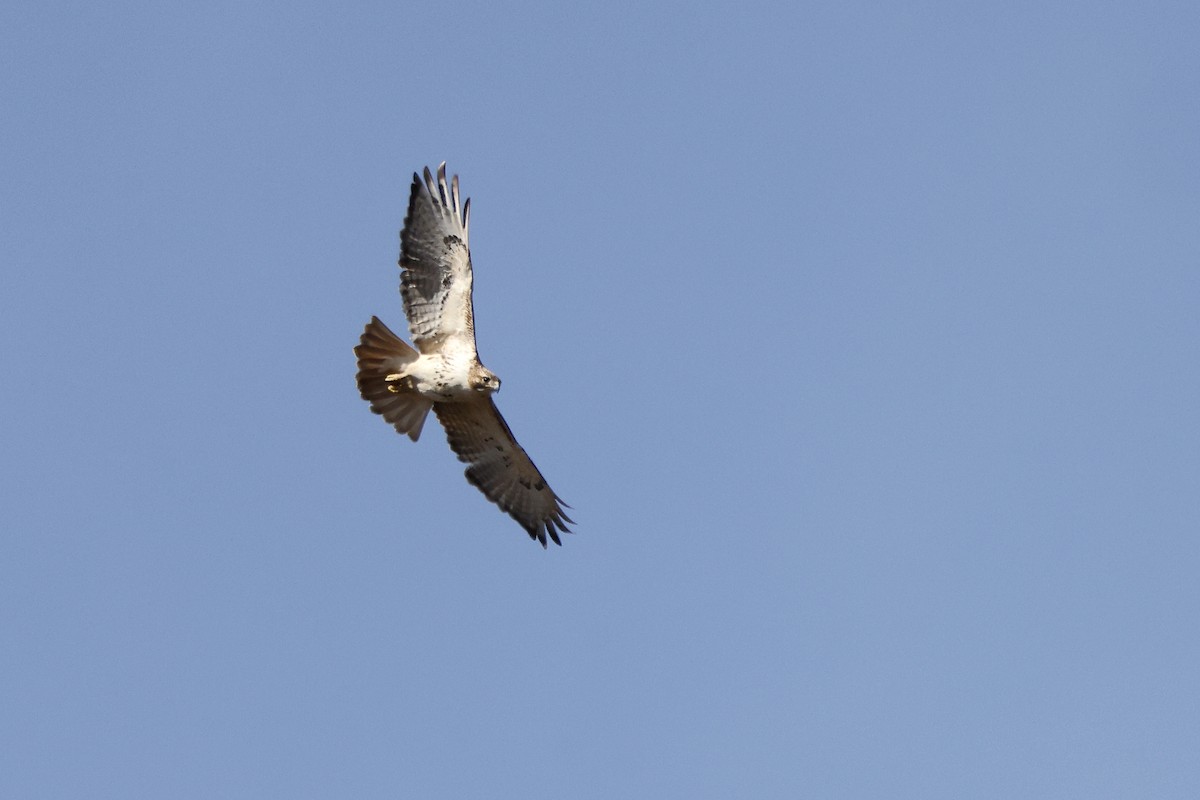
{"x":443,"y":189}
{"x":545,"y":531}
{"x":552,"y":527}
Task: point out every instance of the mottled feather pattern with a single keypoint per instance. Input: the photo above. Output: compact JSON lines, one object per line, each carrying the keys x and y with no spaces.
{"x":436,"y":261}
{"x":501,"y":469}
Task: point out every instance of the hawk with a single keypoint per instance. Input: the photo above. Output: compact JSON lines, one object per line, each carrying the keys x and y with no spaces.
{"x":444,"y":373}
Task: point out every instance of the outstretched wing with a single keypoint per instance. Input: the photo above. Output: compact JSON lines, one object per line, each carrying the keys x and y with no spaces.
{"x":436,"y":263}
{"x":500,"y":468}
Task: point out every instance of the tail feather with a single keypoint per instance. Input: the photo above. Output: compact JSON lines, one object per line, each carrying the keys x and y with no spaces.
{"x":382,"y":353}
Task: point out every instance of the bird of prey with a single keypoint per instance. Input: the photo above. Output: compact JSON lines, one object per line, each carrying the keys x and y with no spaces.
{"x":444,"y":373}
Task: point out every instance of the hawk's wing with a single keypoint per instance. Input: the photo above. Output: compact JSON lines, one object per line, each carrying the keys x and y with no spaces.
{"x":436,"y":262}
{"x":500,"y":468}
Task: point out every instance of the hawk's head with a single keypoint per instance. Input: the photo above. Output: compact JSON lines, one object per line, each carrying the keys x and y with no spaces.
{"x":484,"y":380}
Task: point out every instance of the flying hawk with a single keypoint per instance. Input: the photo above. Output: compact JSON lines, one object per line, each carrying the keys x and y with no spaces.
{"x":444,"y":372}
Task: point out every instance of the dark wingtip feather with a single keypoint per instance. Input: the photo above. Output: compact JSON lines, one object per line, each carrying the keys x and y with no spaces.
{"x":546,"y":528}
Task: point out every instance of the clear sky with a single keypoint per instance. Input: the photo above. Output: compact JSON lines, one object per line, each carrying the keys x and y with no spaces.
{"x":863,"y":340}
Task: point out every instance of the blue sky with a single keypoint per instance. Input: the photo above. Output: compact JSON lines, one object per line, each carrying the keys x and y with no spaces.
{"x":862,"y":339}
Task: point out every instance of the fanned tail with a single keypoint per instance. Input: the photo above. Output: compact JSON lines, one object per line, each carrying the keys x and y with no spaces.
{"x":381,"y":354}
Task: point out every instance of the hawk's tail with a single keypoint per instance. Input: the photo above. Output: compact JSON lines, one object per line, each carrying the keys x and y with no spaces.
{"x":382,"y":353}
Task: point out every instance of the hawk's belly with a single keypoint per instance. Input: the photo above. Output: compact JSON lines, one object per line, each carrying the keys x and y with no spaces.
{"x":439,"y":378}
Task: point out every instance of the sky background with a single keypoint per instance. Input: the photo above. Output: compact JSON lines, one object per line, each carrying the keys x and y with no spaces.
{"x":862,"y":338}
